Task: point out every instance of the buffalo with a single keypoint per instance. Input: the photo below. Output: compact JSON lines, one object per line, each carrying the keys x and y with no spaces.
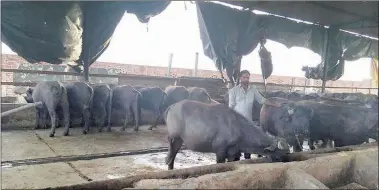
{"x":290,"y":121}
{"x":199,"y":94}
{"x":218,"y":129}
{"x":53,"y":95}
{"x":153,"y":99}
{"x":174,"y":94}
{"x":128,"y":99}
{"x":80,"y":96}
{"x":342,"y":123}
{"x":101,"y":108}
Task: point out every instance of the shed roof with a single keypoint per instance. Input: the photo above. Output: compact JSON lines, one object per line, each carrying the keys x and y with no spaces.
{"x":355,"y":16}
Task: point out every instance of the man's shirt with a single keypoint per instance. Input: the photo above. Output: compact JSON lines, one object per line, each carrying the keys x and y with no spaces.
{"x":243,"y":101}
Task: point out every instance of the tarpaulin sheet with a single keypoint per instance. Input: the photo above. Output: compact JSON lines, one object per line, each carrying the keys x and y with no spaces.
{"x":67,"y":31}
{"x":220,"y":28}
{"x":227,"y":34}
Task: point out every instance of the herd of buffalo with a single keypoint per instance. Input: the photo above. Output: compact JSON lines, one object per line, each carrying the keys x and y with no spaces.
{"x":194,"y":119}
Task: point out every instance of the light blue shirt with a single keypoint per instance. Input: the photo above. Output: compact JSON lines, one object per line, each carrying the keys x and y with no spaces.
{"x":243,"y":101}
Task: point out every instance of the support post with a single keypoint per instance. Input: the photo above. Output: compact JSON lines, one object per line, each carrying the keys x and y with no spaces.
{"x":196,"y":64}
{"x":305,"y":85}
{"x":169,"y":64}
{"x":86,"y":67}
{"x":292,"y":83}
{"x":325,"y":58}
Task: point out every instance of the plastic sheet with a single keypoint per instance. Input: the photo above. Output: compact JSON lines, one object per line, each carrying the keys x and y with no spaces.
{"x":67,"y":31}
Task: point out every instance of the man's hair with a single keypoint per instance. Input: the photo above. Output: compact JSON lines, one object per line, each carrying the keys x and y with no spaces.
{"x":244,"y":72}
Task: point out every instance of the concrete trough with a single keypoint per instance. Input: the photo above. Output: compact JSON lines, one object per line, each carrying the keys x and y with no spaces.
{"x":346,"y":169}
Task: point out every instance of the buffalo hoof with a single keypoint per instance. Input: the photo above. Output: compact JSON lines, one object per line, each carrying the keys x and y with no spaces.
{"x":37,"y":127}
{"x":44,"y":127}
{"x":65,"y":133}
{"x":85,"y":132}
{"x":135,"y":129}
{"x":100,"y":130}
{"x":51,"y":135}
{"x":122,"y":129}
{"x":109,"y":130}
{"x":166,"y":160}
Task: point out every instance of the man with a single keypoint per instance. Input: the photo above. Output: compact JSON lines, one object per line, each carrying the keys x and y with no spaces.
{"x":242,"y":96}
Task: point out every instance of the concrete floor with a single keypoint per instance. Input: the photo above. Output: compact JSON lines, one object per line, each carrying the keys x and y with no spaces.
{"x":34,"y":144}
{"x":31,"y":144}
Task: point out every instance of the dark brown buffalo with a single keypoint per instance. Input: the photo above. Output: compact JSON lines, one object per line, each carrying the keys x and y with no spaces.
{"x":218,"y":129}
{"x":53,"y":94}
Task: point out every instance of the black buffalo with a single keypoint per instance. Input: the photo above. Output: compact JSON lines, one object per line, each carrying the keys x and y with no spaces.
{"x":53,"y":94}
{"x":218,"y":129}
{"x":174,"y":94}
{"x":101,"y":108}
{"x":290,"y":121}
{"x":128,"y":99}
{"x":342,"y":123}
{"x":152,"y":99}
{"x":199,"y":94}
{"x":80,"y":96}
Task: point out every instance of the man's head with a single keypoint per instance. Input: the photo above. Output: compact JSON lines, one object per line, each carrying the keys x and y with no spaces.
{"x":245,"y":77}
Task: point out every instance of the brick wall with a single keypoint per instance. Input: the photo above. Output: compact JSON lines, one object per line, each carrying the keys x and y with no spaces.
{"x":13,"y":61}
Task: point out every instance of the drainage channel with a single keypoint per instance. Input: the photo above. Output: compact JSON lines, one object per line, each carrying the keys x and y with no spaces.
{"x":14,"y":163}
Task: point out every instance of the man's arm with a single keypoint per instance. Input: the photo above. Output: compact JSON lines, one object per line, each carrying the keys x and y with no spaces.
{"x":232,"y":98}
{"x":262,"y":100}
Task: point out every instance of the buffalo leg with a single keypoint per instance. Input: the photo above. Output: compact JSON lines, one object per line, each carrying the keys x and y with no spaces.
{"x":126,"y":119}
{"x":247,"y":155}
{"x":38,"y":118}
{"x":53,"y":117}
{"x":44,"y":116}
{"x":86,"y":116}
{"x":220,"y":156}
{"x":311,"y":144}
{"x":232,"y":152}
{"x":137,"y":114}
{"x":109,"y":114}
{"x":66,"y":116}
{"x":298,"y":146}
{"x":173,"y":147}
{"x":154,"y":125}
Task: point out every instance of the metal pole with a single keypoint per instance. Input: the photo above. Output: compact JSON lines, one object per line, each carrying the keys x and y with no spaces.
{"x":326,"y":60}
{"x":169,"y":64}
{"x":9,"y":112}
{"x":86,"y":67}
{"x":305,"y":85}
{"x":196,"y":64}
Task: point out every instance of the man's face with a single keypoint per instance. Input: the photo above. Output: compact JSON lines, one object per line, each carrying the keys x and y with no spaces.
{"x":245,"y":79}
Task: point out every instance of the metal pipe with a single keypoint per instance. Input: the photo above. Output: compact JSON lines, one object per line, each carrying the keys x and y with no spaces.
{"x":325,"y":57}
{"x":86,"y":67}
{"x":196,"y":64}
{"x":169,"y":64}
{"x":9,"y":112}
